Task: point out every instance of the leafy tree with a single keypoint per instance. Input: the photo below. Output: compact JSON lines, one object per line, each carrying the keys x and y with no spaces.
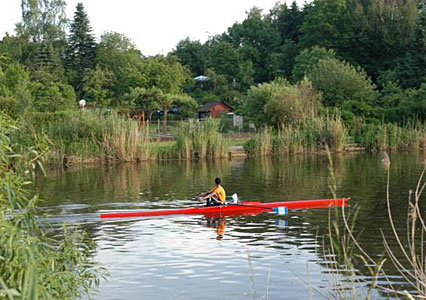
{"x":166,"y":73}
{"x":339,"y":81}
{"x":382,"y":33}
{"x":257,"y":97}
{"x":307,"y":59}
{"x":81,"y":52}
{"x":327,"y":24}
{"x":292,"y":103}
{"x":43,"y":20}
{"x":167,"y":100}
{"x":192,"y":54}
{"x":117,"y":41}
{"x":116,"y":54}
{"x":257,"y":39}
{"x":145,"y":100}
{"x":54,"y":96}
{"x":15,"y":88}
{"x":411,"y":69}
{"x":97,"y":89}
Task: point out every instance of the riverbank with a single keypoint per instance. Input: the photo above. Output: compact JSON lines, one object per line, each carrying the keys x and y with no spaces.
{"x":87,"y":137}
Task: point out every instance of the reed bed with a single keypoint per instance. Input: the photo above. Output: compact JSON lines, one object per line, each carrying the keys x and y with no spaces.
{"x":310,"y":135}
{"x":89,"y":137}
{"x":124,"y":141}
{"x":200,"y":139}
{"x":392,"y":137}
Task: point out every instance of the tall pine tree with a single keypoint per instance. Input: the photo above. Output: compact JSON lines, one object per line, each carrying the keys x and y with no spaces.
{"x":81,"y":49}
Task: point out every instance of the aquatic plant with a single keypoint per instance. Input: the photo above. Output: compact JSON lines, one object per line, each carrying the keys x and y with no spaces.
{"x":33,"y":264}
{"x":200,"y":139}
{"x":311,"y":135}
{"x":405,"y":250}
{"x":410,"y":136}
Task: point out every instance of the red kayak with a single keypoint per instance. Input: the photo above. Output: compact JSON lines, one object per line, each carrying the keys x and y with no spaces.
{"x":232,"y":209}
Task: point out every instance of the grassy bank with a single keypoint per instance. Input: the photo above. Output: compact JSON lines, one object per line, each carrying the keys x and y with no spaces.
{"x":313,"y":134}
{"x":93,"y":137}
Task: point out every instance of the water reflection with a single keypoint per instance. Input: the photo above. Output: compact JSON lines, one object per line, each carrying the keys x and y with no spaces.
{"x":253,"y":257}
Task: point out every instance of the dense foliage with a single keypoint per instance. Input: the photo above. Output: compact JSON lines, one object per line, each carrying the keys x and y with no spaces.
{"x":366,"y":58}
{"x":34,"y":264}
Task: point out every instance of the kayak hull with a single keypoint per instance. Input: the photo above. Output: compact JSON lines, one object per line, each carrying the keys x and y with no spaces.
{"x":232,"y":209}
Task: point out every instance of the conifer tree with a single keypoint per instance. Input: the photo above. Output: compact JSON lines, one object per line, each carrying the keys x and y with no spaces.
{"x":80,"y":54}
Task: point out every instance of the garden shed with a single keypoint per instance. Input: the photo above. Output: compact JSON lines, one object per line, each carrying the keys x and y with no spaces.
{"x":213,"y":109}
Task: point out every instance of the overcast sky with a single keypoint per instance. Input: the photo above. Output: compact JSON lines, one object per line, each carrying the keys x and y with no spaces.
{"x":155,"y":26}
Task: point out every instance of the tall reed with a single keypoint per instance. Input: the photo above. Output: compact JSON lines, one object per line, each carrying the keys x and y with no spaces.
{"x":405,"y":249}
{"x":200,"y":139}
{"x":34,"y":265}
{"x":87,"y":136}
{"x":261,"y":144}
{"x":411,"y":136}
{"x":124,"y":141}
{"x":311,"y":135}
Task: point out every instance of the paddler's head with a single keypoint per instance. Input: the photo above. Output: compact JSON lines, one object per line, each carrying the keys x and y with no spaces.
{"x":217,"y":180}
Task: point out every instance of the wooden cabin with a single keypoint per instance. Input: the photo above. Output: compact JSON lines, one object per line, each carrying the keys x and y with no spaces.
{"x":213,"y":109}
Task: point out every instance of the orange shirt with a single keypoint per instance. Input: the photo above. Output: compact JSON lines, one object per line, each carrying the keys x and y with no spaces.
{"x":220,"y":192}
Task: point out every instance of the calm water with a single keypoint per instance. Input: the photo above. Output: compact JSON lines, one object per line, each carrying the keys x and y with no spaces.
{"x":259,"y":257}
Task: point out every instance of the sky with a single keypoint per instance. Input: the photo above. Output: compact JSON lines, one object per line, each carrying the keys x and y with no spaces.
{"x":155,"y":26}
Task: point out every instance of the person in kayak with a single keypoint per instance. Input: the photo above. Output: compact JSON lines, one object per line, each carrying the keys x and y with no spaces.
{"x":216,"y":196}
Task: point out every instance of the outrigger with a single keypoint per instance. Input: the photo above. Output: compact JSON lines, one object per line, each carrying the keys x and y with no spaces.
{"x":234,"y":208}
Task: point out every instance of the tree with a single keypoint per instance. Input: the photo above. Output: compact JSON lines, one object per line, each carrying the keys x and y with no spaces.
{"x":167,"y":100}
{"x":117,"y":41}
{"x":292,"y":103}
{"x":80,"y":53}
{"x":166,"y":73}
{"x":307,"y":59}
{"x":145,"y":100}
{"x":43,"y":20}
{"x":327,"y":24}
{"x":410,"y":70}
{"x":48,"y":61}
{"x":97,"y":89}
{"x":192,"y":54}
{"x":169,"y":77}
{"x":339,"y":81}
{"x":287,"y":21}
{"x":117,"y":55}
{"x":54,"y":96}
{"x":382,"y":33}
{"x":256,"y":40}
{"x":257,"y":97}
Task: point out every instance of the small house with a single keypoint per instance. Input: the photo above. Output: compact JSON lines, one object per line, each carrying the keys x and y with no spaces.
{"x":213,"y":109}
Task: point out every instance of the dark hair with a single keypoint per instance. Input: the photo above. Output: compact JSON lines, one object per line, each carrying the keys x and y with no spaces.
{"x":217,"y":180}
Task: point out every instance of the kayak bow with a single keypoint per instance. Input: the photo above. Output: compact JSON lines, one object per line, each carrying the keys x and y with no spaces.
{"x":243,"y":207}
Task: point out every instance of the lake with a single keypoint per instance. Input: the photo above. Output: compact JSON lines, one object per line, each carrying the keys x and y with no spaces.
{"x":247,"y":257}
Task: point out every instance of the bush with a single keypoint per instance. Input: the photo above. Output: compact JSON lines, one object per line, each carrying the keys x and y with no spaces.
{"x":339,"y":81}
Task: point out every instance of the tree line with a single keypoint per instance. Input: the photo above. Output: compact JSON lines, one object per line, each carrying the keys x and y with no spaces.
{"x":365,"y":59}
